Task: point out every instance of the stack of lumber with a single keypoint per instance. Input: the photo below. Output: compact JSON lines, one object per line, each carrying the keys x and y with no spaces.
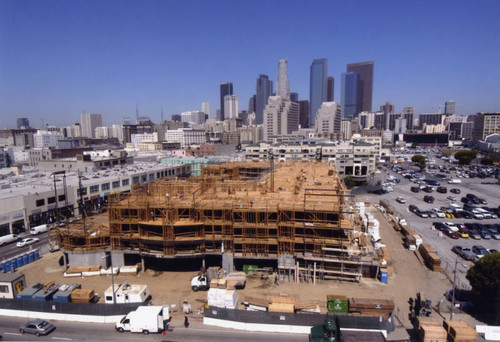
{"x":218,"y":284}
{"x":407,"y":231}
{"x":430,"y":329}
{"x":384,"y":254}
{"x":430,"y":257}
{"x":459,"y":331}
{"x":371,"y":307}
{"x":82,"y":295}
{"x":281,"y":307}
{"x":76,"y":271}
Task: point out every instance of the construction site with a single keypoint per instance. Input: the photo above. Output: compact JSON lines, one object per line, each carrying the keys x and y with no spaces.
{"x":296,"y":217}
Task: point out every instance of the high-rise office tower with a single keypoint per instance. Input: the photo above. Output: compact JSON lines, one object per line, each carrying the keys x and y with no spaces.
{"x":294,"y":97}
{"x":252,"y":104}
{"x":330,"y":88}
{"x":23,"y":122}
{"x":263,"y":91}
{"x":365,"y":72}
{"x":387,"y":108}
{"x":449,"y":107}
{"x":205,"y":108}
{"x":408,"y":113}
{"x":350,"y":94}
{"x":225,"y":89}
{"x":283,"y":84}
{"x":317,"y":87}
{"x":328,"y":118}
{"x":304,"y":113}
{"x":231,"y":106}
{"x":281,"y":117}
{"x":89,"y":123}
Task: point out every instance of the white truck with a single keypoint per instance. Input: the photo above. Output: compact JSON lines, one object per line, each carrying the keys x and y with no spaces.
{"x":39,"y":229}
{"x":202,"y":282}
{"x":146,"y":319}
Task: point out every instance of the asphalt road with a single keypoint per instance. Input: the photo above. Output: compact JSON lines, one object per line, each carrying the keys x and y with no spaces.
{"x":423,"y":226}
{"x":10,"y":250}
{"x":70,"y":331}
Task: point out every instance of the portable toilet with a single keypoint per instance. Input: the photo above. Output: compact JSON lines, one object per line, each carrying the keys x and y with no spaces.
{"x":31,"y":257}
{"x":36,"y":254}
{"x":13,"y":263}
{"x":20,"y":261}
{"x":384,"y":276}
{"x":26,"y":259}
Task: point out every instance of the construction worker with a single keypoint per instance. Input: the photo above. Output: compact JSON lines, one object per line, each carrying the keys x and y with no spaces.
{"x":186,"y":322}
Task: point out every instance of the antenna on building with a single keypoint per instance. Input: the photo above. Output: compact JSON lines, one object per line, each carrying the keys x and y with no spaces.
{"x":137,"y":111}
{"x":161,"y":114}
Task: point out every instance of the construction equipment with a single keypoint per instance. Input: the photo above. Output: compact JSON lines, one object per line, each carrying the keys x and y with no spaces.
{"x":327,"y":332}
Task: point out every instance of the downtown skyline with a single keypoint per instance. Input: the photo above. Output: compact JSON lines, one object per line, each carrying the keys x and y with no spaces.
{"x":61,"y":59}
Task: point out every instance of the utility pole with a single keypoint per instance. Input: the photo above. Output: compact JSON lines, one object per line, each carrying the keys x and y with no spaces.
{"x":82,"y":204}
{"x":453,"y":291}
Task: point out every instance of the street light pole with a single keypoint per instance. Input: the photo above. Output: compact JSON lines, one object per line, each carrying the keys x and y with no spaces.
{"x":112,"y":276}
{"x":453,"y":292}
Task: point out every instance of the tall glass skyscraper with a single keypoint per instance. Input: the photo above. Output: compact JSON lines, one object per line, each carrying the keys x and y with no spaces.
{"x":317,"y":87}
{"x":225,"y":89}
{"x":263,"y":91}
{"x":365,"y":72}
{"x":350,"y":94}
{"x":283,"y":84}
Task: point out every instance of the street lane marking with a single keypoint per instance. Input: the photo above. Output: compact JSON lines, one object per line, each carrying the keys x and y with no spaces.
{"x":15,"y":334}
{"x":61,"y":338}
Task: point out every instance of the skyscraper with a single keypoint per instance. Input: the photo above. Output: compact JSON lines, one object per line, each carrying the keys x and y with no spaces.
{"x":317,"y":87}
{"x":449,"y":107}
{"x":251,"y":103}
{"x":365,"y":72}
{"x":281,"y":117}
{"x":263,"y":91}
{"x":330,"y":88}
{"x":294,"y":97}
{"x":205,"y":108}
{"x":304,"y":113}
{"x":230,"y":106}
{"x":350,"y":94}
{"x":328,"y":118}
{"x":89,"y":123}
{"x":23,"y":122}
{"x":225,"y":89}
{"x":283,"y":84}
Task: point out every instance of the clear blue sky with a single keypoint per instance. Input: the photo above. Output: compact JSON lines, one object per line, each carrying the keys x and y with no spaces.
{"x":60,"y":58}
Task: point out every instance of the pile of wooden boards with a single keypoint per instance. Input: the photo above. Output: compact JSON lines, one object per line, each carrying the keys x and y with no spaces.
{"x":430,"y":257}
{"x":371,"y":307}
{"x":280,"y":304}
{"x":430,"y":330}
{"x":459,"y":331}
{"x":82,"y":295}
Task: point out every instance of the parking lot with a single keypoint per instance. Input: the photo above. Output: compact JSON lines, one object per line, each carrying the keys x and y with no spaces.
{"x":441,"y":243}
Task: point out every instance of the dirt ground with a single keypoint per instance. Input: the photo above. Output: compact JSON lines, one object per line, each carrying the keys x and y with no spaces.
{"x":410,"y":277}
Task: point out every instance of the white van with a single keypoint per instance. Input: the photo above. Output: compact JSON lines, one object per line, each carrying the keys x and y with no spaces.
{"x":8,"y":239}
{"x":454,"y":181}
{"x":38,"y":229}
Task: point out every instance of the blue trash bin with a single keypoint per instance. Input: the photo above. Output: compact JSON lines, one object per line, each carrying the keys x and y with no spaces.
{"x":384,"y":277}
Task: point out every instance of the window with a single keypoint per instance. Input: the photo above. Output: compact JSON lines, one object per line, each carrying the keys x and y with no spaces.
{"x":94,"y":189}
{"x":135,"y":180}
{"x":51,"y":200}
{"x":144,"y":178}
{"x":125,"y":182}
{"x":4,"y":289}
{"x":151,"y":177}
{"x":105,"y":186}
{"x":84,"y":191}
{"x":61,"y":198}
{"x":116,"y":184}
{"x":40,"y":202}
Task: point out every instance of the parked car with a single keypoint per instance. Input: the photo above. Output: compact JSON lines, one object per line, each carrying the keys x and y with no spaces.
{"x":413,"y":208}
{"x":480,"y":251}
{"x":464,"y":252}
{"x":466,"y":200}
{"x":451,"y":226}
{"x":27,"y":241}
{"x":439,"y":213}
{"x":463,"y":232}
{"x":451,"y":198}
{"x":431,"y":214}
{"x":492,"y":250}
{"x":439,"y":226}
{"x":474,"y":234}
{"x":400,"y":199}
{"x":422,"y":213}
{"x":455,"y":191}
{"x":428,"y":189}
{"x":442,"y":189}
{"x":415,"y":189}
{"x":450,"y":233}
{"x":466,"y":214}
{"x":37,"y":327}
{"x":429,"y":199}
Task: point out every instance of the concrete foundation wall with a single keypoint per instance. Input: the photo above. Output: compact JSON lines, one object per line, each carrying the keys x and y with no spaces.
{"x":228,"y":262}
{"x":95,"y":258}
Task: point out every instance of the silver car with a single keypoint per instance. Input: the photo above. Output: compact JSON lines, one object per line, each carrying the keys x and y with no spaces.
{"x":37,"y":327}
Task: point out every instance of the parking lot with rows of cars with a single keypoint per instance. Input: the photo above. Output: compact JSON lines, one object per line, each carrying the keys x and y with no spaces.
{"x":441,"y":220}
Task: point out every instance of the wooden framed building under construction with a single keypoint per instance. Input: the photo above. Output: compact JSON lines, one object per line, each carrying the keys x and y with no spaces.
{"x":297,"y":215}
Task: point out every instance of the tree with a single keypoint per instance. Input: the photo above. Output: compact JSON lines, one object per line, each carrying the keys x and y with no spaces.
{"x":465,"y":157}
{"x":446,"y":153}
{"x":419,"y":160}
{"x":484,"y":276}
{"x":490,"y":158}
{"x":349,"y":182}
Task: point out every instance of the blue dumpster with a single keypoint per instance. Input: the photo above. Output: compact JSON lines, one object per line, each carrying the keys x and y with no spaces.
{"x":36,"y":253}
{"x":31,"y":257}
{"x":20,"y":261}
{"x":384,"y":277}
{"x":26,"y":259}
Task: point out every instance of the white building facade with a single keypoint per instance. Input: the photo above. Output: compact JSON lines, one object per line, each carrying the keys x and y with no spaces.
{"x":230,"y":106}
{"x":328,"y":118}
{"x":281,"y":117}
{"x":187,"y":136}
{"x":46,"y":139}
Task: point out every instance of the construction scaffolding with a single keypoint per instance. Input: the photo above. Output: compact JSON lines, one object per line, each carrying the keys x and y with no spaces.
{"x":232,"y":209}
